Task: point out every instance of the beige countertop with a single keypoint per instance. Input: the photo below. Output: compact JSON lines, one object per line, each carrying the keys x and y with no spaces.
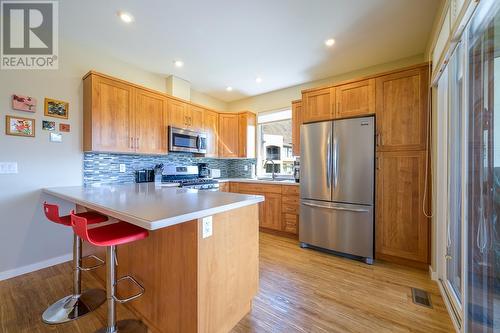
{"x":258,"y":181}
{"x":151,"y":206}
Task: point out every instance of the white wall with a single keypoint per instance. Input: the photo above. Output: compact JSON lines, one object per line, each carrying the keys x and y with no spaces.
{"x":26,"y":237}
{"x":283,"y":98}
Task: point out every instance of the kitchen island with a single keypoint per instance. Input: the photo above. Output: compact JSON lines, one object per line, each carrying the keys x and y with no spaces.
{"x":196,"y":279}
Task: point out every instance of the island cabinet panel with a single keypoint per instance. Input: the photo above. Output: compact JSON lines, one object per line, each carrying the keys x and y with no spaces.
{"x":150,"y":122}
{"x":108,"y":115}
{"x":402,"y":110}
{"x":247,"y":135}
{"x":193,"y":284}
{"x":318,"y":105}
{"x":401,"y":226}
{"x":228,"y":135}
{"x":178,"y":113}
{"x":211,"y":127}
{"x":228,"y":270}
{"x":355,"y":99}
{"x":296,"y":122}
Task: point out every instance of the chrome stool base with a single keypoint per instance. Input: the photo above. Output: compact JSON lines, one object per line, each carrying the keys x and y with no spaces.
{"x":74,"y":306}
{"x":125,"y":326}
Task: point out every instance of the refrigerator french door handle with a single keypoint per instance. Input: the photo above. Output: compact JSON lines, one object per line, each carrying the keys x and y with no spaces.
{"x":328,"y":162}
{"x":336,"y":162}
{"x":357,"y":210}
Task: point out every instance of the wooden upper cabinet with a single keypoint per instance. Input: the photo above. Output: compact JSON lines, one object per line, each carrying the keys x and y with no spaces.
{"x":402,"y":110}
{"x":355,"y":99}
{"x":195,"y":118}
{"x":228,"y":134}
{"x":402,"y":228}
{"x":247,"y":134}
{"x":296,"y":122}
{"x":178,"y":113}
{"x":121,"y":117}
{"x":211,"y":127}
{"x":150,"y":122}
{"x":318,"y":105}
{"x":108,"y":115}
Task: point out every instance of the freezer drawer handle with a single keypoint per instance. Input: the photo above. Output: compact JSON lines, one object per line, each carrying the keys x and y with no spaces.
{"x":357,"y":210}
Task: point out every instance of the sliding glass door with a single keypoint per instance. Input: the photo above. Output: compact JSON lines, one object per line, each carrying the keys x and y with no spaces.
{"x":483,"y":170}
{"x":455,"y":143}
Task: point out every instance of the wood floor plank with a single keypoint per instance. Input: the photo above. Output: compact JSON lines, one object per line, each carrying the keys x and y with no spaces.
{"x":301,"y":290}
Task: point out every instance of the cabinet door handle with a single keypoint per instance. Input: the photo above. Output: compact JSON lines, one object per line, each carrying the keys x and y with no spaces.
{"x":378,"y":138}
{"x":137,"y":143}
{"x":131,"y":143}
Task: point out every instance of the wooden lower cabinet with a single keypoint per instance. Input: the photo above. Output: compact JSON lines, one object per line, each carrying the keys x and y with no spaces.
{"x":224,"y":187}
{"x":271,"y":217}
{"x":402,"y":229}
{"x":280,"y":210}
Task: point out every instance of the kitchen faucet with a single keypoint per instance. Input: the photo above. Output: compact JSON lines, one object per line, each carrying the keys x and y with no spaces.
{"x":272,"y":162}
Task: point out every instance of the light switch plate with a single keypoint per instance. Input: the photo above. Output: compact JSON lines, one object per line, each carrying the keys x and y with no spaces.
{"x":8,"y":167}
{"x":207,"y":226}
{"x":123,"y":168}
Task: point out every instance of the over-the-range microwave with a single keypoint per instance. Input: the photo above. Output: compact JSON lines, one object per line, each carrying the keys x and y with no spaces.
{"x":183,"y":140}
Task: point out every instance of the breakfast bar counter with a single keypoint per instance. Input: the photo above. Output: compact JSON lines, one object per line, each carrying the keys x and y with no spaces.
{"x":199,"y":265}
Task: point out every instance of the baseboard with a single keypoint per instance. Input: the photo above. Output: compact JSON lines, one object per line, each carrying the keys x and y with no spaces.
{"x":35,"y":267}
{"x":433,"y":274}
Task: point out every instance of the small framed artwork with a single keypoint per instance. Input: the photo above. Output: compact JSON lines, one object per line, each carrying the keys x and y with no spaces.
{"x":55,"y":137}
{"x":19,"y":126}
{"x":23,"y":103}
{"x":64,"y":128}
{"x":48,"y":125}
{"x":55,"y":108}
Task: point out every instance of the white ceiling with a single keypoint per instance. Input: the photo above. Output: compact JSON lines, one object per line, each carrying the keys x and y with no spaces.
{"x":231,"y":42}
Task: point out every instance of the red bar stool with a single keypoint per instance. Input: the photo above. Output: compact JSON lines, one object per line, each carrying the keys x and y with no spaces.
{"x":78,"y":304}
{"x":110,"y":236}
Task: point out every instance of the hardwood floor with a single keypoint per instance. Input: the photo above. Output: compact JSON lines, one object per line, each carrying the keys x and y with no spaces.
{"x":301,"y":290}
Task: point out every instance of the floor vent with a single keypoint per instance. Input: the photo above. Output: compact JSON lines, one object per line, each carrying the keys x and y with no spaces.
{"x":421,"y":297}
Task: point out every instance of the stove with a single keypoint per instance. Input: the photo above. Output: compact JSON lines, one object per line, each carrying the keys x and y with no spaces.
{"x":187,"y":177}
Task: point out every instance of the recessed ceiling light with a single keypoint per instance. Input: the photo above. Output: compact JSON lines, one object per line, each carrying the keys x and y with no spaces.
{"x":178,"y":63}
{"x":258,"y":79}
{"x":330,"y":42}
{"x":126,"y":17}
{"x":229,"y":88}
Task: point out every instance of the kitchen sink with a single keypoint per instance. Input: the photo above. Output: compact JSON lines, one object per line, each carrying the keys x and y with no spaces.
{"x":275,"y":180}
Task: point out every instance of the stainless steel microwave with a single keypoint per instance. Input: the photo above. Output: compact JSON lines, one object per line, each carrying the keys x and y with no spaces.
{"x":183,"y":140}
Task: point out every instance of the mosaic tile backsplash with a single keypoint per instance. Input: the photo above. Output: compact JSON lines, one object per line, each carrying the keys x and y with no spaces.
{"x":103,"y":168}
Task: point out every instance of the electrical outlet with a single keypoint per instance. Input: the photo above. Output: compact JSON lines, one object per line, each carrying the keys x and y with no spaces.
{"x":8,"y":167}
{"x":207,"y":226}
{"x":123,"y":168}
{"x":245,"y":168}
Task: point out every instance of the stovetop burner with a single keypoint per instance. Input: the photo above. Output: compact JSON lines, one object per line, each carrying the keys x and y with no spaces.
{"x":188,"y":181}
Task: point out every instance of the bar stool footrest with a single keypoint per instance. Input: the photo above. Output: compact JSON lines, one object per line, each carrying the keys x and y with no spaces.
{"x":90,"y":268}
{"x":134,"y":281}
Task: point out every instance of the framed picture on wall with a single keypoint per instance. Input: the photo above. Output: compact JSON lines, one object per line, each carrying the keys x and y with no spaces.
{"x":23,"y":103}
{"x":19,"y":126}
{"x":55,"y":108}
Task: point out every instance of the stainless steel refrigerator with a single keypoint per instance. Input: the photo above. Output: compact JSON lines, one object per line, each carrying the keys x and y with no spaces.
{"x":337,"y":186}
